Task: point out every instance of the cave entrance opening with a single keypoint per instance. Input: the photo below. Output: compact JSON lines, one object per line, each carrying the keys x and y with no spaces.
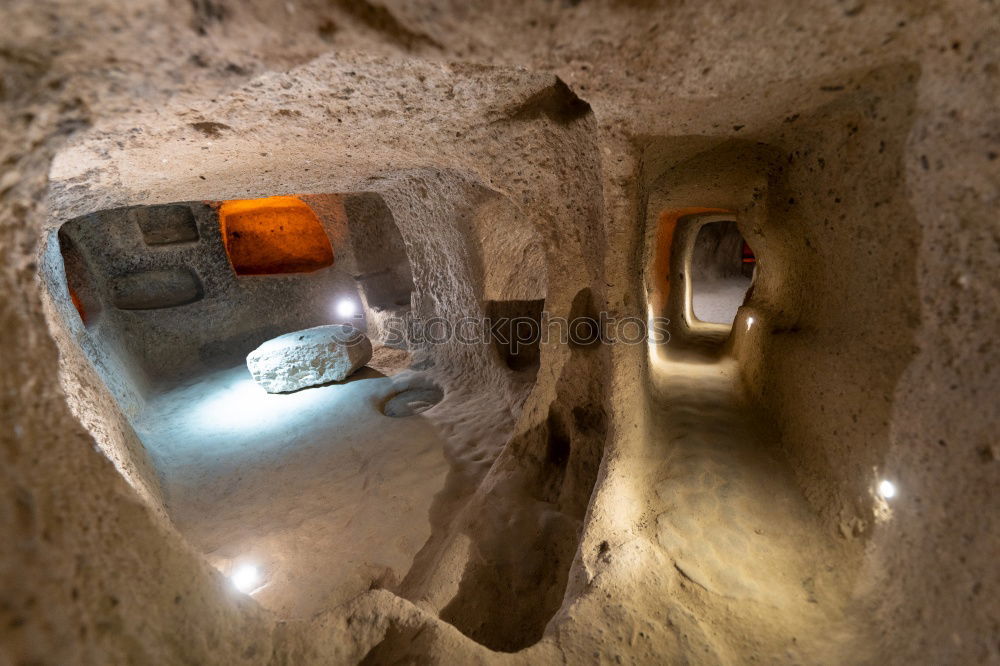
{"x":721,"y":272}
{"x":156,"y":309}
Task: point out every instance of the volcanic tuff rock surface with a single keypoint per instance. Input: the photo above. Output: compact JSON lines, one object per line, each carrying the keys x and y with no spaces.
{"x":858,"y":139}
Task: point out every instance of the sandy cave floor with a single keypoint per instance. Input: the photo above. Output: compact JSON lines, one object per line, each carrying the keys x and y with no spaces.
{"x":728,"y":514}
{"x":322,"y":492}
{"x":718,"y":301}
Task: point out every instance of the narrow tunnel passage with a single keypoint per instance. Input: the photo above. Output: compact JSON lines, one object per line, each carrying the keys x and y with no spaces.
{"x":722,"y":266}
{"x":731,"y":518}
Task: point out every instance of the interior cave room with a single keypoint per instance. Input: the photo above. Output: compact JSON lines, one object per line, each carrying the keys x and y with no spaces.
{"x":499,"y":332}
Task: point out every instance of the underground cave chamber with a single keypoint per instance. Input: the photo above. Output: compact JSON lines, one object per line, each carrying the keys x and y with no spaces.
{"x":304,"y":498}
{"x":738,"y":489}
{"x":166,"y":301}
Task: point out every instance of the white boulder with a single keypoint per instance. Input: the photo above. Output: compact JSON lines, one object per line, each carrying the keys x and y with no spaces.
{"x":310,"y":357}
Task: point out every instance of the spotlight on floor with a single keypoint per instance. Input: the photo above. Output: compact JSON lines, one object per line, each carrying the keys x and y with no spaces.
{"x":887,"y":489}
{"x":245,"y":578}
{"x":346,"y":308}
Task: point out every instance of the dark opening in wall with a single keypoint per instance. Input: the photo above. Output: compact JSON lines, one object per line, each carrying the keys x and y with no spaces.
{"x":273,"y":235}
{"x":516,"y":328}
{"x":379,"y":261}
{"x":584,"y":322}
{"x":79,"y":281}
{"x":167,"y":224}
{"x":721,"y":270}
{"x":516,"y":575}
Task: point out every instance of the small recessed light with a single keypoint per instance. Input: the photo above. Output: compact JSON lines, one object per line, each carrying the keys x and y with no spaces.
{"x":245,"y":578}
{"x":749,"y":322}
{"x":346,"y":308}
{"x":887,"y":489}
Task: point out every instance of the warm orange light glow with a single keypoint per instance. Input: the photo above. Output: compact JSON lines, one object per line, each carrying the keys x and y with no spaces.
{"x":664,"y":245}
{"x":273,"y":235}
{"x":78,"y":304}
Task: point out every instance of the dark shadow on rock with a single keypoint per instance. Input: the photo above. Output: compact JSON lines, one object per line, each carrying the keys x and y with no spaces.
{"x":525,"y":531}
{"x":557,"y":102}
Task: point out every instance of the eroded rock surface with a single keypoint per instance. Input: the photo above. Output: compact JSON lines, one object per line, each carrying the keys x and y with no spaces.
{"x":312,"y":357}
{"x":598,"y":519}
